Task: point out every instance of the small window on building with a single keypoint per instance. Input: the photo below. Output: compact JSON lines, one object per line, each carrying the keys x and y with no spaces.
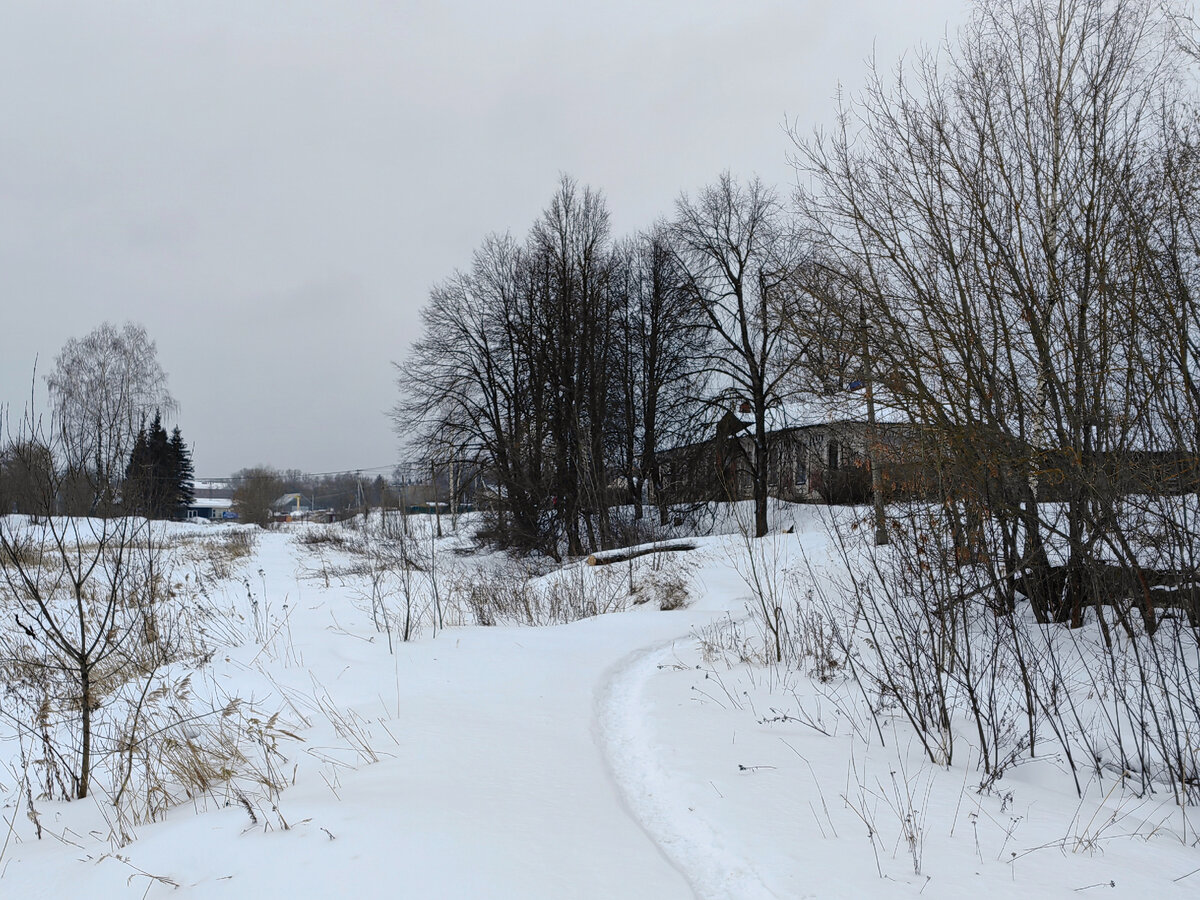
{"x":801,"y":472}
{"x":833,"y":455}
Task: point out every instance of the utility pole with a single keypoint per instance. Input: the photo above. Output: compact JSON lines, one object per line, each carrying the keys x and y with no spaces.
{"x":404,"y":500}
{"x":881,"y":532}
{"x":437,"y":509}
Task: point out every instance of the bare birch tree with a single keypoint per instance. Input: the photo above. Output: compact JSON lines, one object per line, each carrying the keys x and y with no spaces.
{"x":104,"y":386}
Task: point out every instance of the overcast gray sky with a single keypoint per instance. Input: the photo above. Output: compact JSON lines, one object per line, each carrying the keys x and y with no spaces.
{"x":271,"y":188}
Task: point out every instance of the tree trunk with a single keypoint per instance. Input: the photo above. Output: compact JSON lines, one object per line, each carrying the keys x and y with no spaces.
{"x":85,"y":739}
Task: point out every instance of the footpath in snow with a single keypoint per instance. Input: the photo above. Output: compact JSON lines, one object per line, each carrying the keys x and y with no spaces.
{"x":504,"y":768}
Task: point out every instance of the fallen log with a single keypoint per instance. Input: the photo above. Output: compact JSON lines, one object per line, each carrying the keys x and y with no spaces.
{"x":608,"y":557}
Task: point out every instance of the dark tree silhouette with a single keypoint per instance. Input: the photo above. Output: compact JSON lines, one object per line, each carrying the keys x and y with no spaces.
{"x":158,"y":477}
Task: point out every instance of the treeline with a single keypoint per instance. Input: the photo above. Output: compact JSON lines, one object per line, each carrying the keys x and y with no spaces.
{"x":105,"y":451}
{"x":1001,"y":242}
{"x":156,"y":481}
{"x":563,"y":366}
{"x":257,"y":489}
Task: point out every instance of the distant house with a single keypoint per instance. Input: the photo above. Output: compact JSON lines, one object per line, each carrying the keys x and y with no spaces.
{"x":433,"y":507}
{"x":211,"y":508}
{"x":291,"y":507}
{"x":211,"y":500}
{"x":820,"y":451}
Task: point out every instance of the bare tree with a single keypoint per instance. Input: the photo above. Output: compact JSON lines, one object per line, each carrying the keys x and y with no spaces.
{"x":516,"y":374}
{"x":104,"y":386}
{"x":662,"y":334}
{"x":255,"y":490}
{"x":569,"y":249}
{"x":26,"y":467}
{"x":82,"y":593}
{"x":474,"y":386}
{"x":738,"y":260}
{"x":989,"y":213}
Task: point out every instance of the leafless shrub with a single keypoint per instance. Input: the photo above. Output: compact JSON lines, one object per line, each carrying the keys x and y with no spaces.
{"x":661,"y":578}
{"x":95,"y":649}
{"x":516,"y":594}
{"x":174,"y":747}
{"x":671,"y":591}
{"x":334,"y":537}
{"x":763,"y":566}
{"x":727,"y":640}
{"x":818,"y":646}
{"x":216,"y":556}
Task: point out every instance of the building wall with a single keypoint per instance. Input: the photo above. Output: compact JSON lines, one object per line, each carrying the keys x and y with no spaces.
{"x":816,"y":464}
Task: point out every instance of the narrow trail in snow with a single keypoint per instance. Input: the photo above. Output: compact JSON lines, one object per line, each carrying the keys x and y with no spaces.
{"x":624,"y":733}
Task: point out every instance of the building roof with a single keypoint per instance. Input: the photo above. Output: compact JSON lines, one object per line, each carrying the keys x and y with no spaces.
{"x":211,"y":503}
{"x":848,"y":406}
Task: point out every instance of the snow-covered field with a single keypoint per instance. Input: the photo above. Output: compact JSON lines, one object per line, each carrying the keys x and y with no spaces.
{"x":642,"y":753}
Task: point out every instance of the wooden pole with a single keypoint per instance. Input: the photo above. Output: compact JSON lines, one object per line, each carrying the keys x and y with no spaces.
{"x":881,"y":532}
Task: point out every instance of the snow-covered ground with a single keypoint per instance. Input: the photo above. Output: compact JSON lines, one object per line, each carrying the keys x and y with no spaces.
{"x":626,"y":755}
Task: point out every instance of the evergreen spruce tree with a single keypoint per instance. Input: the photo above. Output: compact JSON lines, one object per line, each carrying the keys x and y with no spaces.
{"x":182,"y":473}
{"x":135,"y":491}
{"x":161,"y":489}
{"x":158,"y":477}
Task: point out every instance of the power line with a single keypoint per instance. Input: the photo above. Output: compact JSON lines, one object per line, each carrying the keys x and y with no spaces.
{"x":311,"y":474}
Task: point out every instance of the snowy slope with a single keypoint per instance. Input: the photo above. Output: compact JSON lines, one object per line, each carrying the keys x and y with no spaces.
{"x":607,"y":758}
